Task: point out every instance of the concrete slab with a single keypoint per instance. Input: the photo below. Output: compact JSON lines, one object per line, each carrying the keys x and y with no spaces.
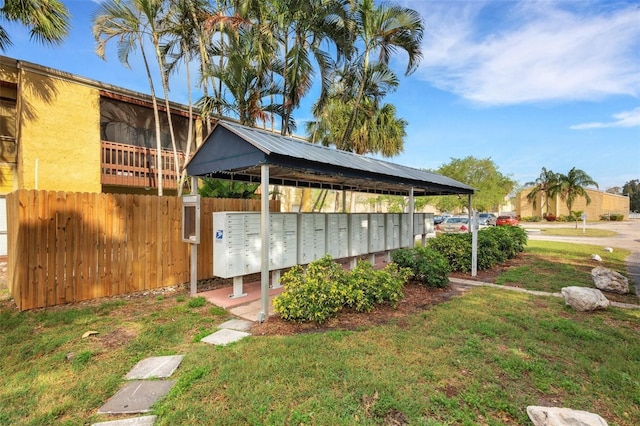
{"x":134,"y":421}
{"x":237,"y":324}
{"x":155,"y":367}
{"x":224,"y":337}
{"x":137,"y":397}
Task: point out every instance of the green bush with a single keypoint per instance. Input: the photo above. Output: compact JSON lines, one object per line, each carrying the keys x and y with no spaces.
{"x":311,"y":294}
{"x":612,"y":216}
{"x":318,"y":292}
{"x":495,"y":245}
{"x":367,"y":287}
{"x":426,"y":265}
{"x":531,"y":219}
{"x":456,"y":248}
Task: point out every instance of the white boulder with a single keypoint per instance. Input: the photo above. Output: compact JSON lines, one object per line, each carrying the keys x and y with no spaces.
{"x":608,"y":249}
{"x":608,"y":280}
{"x":555,"y":416}
{"x":584,"y":299}
{"x":596,"y":257}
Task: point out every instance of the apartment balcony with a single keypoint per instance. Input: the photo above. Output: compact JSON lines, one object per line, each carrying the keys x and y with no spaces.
{"x":128,"y":165}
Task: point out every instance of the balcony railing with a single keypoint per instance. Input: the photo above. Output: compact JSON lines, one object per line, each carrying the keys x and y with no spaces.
{"x":127,"y":165}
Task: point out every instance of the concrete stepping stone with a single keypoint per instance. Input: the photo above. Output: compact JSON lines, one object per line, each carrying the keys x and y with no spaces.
{"x":134,"y":421}
{"x":155,"y":367}
{"x":137,"y":397}
{"x":224,"y":337}
{"x":237,"y":324}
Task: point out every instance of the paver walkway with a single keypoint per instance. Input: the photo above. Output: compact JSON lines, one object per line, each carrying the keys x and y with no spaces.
{"x":140,"y":393}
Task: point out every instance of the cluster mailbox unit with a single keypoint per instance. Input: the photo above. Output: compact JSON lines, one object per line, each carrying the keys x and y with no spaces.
{"x":300,"y":238}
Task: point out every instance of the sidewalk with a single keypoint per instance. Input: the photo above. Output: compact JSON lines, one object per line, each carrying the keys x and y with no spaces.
{"x":247,"y":307}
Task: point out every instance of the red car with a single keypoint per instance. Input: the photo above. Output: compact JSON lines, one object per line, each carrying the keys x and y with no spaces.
{"x":507,"y":220}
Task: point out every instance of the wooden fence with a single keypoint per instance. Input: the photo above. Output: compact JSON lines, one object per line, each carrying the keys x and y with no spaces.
{"x":68,"y":247}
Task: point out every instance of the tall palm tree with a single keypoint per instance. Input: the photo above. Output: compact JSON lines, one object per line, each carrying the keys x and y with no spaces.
{"x":547,"y":186}
{"x":303,"y":26}
{"x":572,"y":186}
{"x":382,"y":30}
{"x":47,"y":20}
{"x":184,"y":38}
{"x":123,"y":21}
{"x":245,"y":80}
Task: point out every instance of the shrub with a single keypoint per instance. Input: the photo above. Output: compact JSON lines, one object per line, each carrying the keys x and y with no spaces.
{"x":311,"y":294}
{"x":531,"y":219}
{"x":550,"y":217}
{"x":367,"y":287}
{"x":456,"y":248}
{"x":495,"y":245}
{"x":318,"y":292}
{"x":426,"y":265}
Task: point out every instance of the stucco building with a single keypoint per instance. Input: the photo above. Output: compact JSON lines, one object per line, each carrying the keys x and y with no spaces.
{"x":63,"y":132}
{"x":602,"y":203}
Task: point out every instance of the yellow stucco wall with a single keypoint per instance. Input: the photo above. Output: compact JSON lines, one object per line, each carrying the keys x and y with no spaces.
{"x":59,"y":134}
{"x":8,"y":181}
{"x":601,"y":203}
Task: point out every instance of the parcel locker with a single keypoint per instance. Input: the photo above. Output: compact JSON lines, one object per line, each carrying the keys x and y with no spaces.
{"x":358,"y":234}
{"x":376,"y":232}
{"x":311,"y":237}
{"x":338,"y":235}
{"x":392,"y":231}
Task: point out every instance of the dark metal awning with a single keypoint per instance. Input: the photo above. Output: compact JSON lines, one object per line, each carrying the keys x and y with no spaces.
{"x":236,"y":152}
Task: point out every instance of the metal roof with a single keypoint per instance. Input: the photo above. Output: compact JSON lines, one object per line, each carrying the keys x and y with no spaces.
{"x":233,"y":151}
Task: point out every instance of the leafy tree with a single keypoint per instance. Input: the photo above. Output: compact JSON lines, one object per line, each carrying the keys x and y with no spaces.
{"x":47,"y":20}
{"x":572,"y":185}
{"x":491,"y":186}
{"x":547,"y":185}
{"x":124,"y":21}
{"x":632,"y":190}
{"x":218,"y":188}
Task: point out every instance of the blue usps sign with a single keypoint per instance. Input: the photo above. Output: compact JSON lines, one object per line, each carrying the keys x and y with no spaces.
{"x":219,"y":235}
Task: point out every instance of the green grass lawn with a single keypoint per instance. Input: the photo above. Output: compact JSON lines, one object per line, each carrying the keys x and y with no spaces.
{"x":578,"y":232}
{"x":478,"y":359}
{"x":551,"y":265}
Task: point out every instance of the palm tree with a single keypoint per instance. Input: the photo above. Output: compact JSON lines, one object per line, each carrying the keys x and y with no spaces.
{"x":546,"y":186}
{"x":47,"y":20}
{"x":572,"y":185}
{"x":116,"y":19}
{"x":245,"y":79}
{"x":303,"y":26}
{"x":184,"y":39}
{"x":383,"y":30}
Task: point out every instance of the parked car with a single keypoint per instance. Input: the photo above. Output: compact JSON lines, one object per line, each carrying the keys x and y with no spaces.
{"x":453,"y":224}
{"x":509,"y":220}
{"x":438,"y":219}
{"x":488,"y":219}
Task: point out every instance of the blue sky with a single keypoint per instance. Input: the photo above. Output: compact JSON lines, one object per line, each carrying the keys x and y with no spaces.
{"x":529,"y":84}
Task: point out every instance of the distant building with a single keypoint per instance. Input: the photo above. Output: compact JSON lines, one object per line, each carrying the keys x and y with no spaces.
{"x":602,"y":203}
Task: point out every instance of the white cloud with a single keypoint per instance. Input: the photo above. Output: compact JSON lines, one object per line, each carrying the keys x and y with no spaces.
{"x":502,"y":53}
{"x":621,"y":119}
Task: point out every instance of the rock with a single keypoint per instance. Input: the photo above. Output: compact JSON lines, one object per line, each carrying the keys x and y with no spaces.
{"x":555,"y":416}
{"x":584,"y":299}
{"x":596,"y":257}
{"x":70,"y":356}
{"x":89,"y":333}
{"x":608,"y":249}
{"x":608,"y":280}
